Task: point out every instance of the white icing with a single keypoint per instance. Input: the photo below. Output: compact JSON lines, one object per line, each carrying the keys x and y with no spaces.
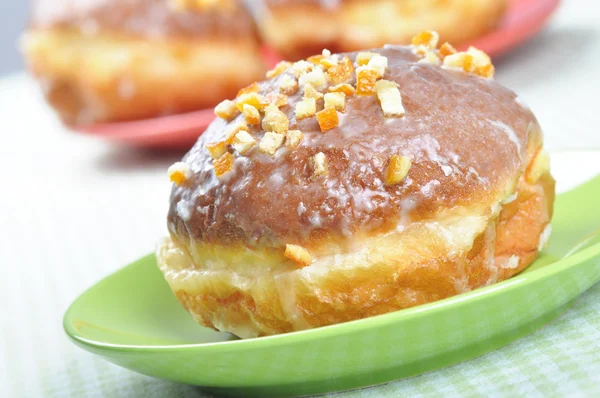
{"x":544,"y":237}
{"x":287,"y":297}
{"x":407,"y":204}
{"x":428,"y":148}
{"x":315,"y":220}
{"x":301,"y":209}
{"x":522,"y":103}
{"x":511,"y":263}
{"x":452,"y":68}
{"x":171,"y":226}
{"x":363,"y":200}
{"x":338,"y":191}
{"x":276,"y":180}
{"x":495,"y":208}
{"x":472,"y":172}
{"x":510,"y":198}
{"x":184,"y":209}
{"x":428,"y":188}
{"x":393,"y":47}
{"x":510,"y":133}
{"x":448,"y":170}
{"x":457,"y":232}
{"x":202,"y":209}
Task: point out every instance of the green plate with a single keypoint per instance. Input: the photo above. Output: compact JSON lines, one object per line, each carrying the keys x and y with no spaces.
{"x":132,"y":319}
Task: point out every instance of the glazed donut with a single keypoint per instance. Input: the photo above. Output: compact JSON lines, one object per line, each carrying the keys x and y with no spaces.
{"x":108,"y":60}
{"x":299,"y":28}
{"x":352,"y":185}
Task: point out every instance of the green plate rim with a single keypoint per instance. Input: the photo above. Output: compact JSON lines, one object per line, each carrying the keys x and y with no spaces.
{"x":337,"y":329}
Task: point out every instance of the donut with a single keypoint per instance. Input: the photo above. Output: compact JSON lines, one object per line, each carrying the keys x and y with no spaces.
{"x":299,"y":28}
{"x":108,"y":61}
{"x":351,"y":185}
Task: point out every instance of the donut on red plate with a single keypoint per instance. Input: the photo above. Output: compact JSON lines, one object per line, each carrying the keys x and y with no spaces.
{"x":299,"y":28}
{"x":106,"y":60}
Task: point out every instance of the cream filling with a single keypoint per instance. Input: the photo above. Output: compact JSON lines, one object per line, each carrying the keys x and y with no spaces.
{"x":545,"y":237}
{"x":420,"y":241}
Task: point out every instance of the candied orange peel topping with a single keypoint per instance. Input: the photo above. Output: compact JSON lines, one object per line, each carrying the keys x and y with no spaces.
{"x":179,"y":173}
{"x":341,"y":72}
{"x":226,"y":110}
{"x":301,"y":67}
{"x":318,"y":164}
{"x":199,"y":5}
{"x":345,"y":88}
{"x":243,"y":142}
{"x":275,"y":120}
{"x":486,"y":71}
{"x":233,"y":130}
{"x":216,"y":149}
{"x":251,"y":114}
{"x":288,"y":85}
{"x":336,"y":100}
{"x":328,"y":119}
{"x":280,"y":68}
{"x":363,"y":58}
{"x":389,"y":98}
{"x":252,"y":98}
{"x":482,"y":63}
{"x":329,"y":62}
{"x":316,"y":77}
{"x":365,"y":81}
{"x":306,"y":108}
{"x":539,"y":166}
{"x":293,"y":138}
{"x":379,"y":64}
{"x":430,"y":57}
{"x":298,"y":254}
{"x":428,"y":39}
{"x":252,"y":88}
{"x":397,"y":169}
{"x":311,"y":92}
{"x":271,"y":142}
{"x":460,"y":60}
{"x":315,"y":59}
{"x":224,"y":164}
{"x":472,"y":61}
{"x":276,"y":99}
{"x":446,"y":49}
{"x":325,"y":83}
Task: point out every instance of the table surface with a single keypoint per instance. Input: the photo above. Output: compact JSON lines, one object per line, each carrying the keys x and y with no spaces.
{"x":76,"y":209}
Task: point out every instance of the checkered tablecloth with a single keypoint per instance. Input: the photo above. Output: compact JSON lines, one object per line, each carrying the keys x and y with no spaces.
{"x":75,"y":209}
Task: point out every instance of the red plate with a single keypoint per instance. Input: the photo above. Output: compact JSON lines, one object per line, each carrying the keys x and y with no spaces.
{"x":524,"y":18}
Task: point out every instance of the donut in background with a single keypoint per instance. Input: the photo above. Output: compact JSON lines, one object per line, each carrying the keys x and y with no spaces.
{"x":107,"y":60}
{"x":300,"y":28}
